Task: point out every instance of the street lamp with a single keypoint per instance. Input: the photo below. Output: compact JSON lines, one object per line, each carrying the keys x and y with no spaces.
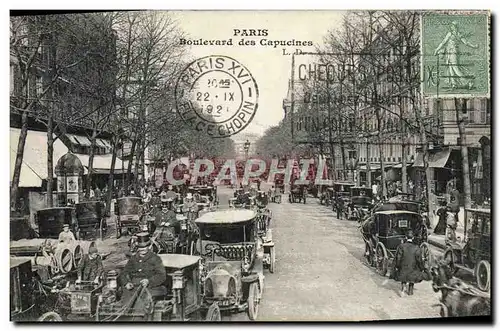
{"x":246,"y":147}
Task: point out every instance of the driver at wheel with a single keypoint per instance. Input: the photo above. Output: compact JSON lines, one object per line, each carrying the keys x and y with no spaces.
{"x":143,"y":270}
{"x":91,"y":268}
{"x":261,"y":200}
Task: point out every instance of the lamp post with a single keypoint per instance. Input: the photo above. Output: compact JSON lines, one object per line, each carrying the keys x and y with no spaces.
{"x":246,"y":147}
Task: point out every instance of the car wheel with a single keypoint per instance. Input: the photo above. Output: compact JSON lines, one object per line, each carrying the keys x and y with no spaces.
{"x":483,"y":275}
{"x":253,"y":301}
{"x":382,"y":260}
{"x":50,"y":316}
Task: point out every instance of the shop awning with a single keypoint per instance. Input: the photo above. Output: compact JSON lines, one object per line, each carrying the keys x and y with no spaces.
{"x":373,"y":166}
{"x":79,"y":140}
{"x":436,"y":159}
{"x":34,"y":167}
{"x":102,"y":163}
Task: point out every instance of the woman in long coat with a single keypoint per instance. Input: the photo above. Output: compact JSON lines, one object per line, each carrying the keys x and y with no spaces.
{"x":409,"y":265}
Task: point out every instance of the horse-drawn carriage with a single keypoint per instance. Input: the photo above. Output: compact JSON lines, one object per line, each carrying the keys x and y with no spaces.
{"x":297,"y":194}
{"x":91,"y":219}
{"x":360,"y":203}
{"x":50,"y":221}
{"x":474,"y":256}
{"x":233,"y":261}
{"x":183,"y":301}
{"x":129,"y":216}
{"x":384,"y":231}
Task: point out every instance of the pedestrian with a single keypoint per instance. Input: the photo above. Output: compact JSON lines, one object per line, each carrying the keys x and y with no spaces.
{"x":97,"y":193}
{"x":408,"y":265}
{"x":66,"y":236}
{"x":340,"y":207}
{"x":451,"y":226}
{"x":91,"y":268}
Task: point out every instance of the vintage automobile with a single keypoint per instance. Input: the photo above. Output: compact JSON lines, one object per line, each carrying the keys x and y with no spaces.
{"x":233,"y":261}
{"x":209,"y":191}
{"x":474,"y":256}
{"x":342,"y":190}
{"x":128,"y":215}
{"x":183,"y":302}
{"x":297,"y":194}
{"x":73,"y":302}
{"x":91,"y":219}
{"x":279,"y":183}
{"x":51,"y":220}
{"x":361,"y":203}
{"x":265,"y":234}
{"x":388,"y":231}
{"x":325,"y":194}
{"x":28,"y":297}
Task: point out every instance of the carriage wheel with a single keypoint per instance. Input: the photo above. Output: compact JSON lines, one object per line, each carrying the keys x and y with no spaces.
{"x":483,"y":275}
{"x":450,"y":257}
{"x":213,"y":314}
{"x":382,"y":260}
{"x":272,"y":257}
{"x":253,"y":301}
{"x":369,"y":255}
{"x":50,"y":316}
{"x":426,"y":255}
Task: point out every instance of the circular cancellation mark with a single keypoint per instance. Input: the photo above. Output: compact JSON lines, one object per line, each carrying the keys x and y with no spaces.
{"x":216,"y":94}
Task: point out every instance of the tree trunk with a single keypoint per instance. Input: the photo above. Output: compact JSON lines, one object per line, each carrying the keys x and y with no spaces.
{"x":461,"y":106}
{"x":111,"y":175}
{"x":382,"y":165}
{"x":129,"y":166}
{"x":19,"y":159}
{"x":342,"y":151}
{"x":90,"y":165}
{"x":332,"y":161}
{"x":404,"y":174}
{"x":50,"y":158}
{"x":368,"y":165}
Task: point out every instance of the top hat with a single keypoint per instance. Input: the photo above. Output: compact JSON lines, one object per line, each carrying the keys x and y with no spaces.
{"x":189,"y":196}
{"x":66,"y":225}
{"x":143,"y":240}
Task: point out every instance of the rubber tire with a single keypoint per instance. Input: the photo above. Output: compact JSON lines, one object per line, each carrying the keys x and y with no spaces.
{"x":253,"y":306}
{"x":213,"y":314}
{"x":485,"y":287}
{"x":272,"y":265}
{"x":50,"y":316}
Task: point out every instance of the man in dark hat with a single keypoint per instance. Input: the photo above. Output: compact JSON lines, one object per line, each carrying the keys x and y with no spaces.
{"x":66,"y":236}
{"x":91,"y":267}
{"x":408,"y":264}
{"x":167,"y":214}
{"x":143,"y":269}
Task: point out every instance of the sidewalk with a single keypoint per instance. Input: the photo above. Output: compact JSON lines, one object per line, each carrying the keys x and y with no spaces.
{"x":439,"y":240}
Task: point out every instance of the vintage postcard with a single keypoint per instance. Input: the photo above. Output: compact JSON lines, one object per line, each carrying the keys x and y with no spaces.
{"x":250,"y":166}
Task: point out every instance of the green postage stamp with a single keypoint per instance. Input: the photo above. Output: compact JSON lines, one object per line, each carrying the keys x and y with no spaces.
{"x":455,"y":54}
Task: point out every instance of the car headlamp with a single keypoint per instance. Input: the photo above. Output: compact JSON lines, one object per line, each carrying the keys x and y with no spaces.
{"x":177,"y":280}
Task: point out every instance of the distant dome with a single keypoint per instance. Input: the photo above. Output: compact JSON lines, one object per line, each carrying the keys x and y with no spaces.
{"x":69,"y":164}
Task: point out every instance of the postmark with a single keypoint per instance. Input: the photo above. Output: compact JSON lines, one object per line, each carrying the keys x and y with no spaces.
{"x":455,"y":55}
{"x":218,"y":95}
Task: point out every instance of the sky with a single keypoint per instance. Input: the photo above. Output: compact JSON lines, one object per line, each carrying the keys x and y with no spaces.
{"x":269,"y":67}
